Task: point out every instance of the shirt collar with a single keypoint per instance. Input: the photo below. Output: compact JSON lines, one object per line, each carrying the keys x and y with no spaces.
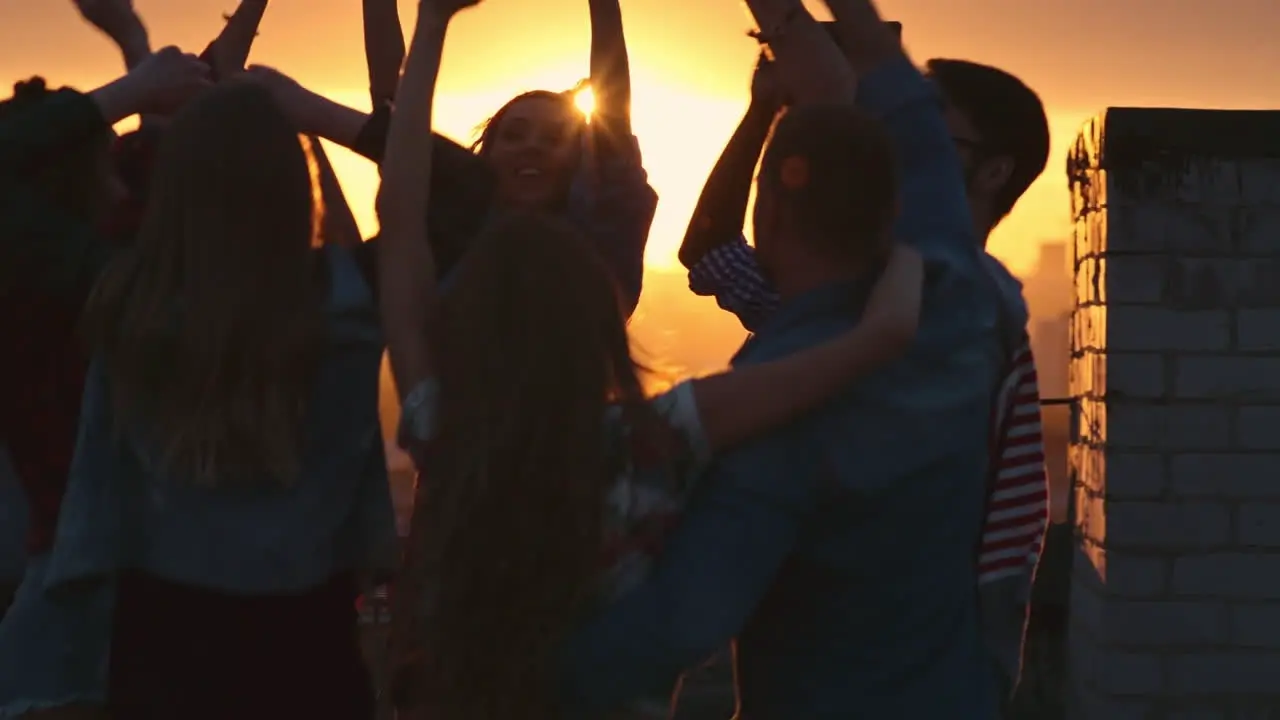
{"x":844,"y":297}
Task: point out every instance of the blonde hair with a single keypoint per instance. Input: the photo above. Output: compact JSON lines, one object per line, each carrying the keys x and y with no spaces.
{"x":211,"y":326}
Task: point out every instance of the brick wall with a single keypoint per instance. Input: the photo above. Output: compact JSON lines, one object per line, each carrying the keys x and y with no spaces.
{"x":1175,"y":452}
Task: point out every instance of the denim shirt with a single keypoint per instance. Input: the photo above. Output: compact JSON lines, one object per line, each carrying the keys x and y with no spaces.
{"x":337,"y":516}
{"x":839,"y":550}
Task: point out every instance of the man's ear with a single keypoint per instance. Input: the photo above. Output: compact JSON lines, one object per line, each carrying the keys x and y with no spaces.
{"x":993,"y":174}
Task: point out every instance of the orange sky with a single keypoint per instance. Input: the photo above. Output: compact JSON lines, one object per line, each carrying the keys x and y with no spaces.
{"x":691,"y":64}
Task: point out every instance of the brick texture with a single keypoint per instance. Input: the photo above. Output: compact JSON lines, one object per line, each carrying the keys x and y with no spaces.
{"x":1175,"y":449}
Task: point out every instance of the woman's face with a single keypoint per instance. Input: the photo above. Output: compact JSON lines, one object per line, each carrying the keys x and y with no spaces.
{"x":534,"y":149}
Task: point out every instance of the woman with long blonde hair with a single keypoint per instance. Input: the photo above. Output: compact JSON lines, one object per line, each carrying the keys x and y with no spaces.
{"x":57,"y":187}
{"x":548,"y":477}
{"x":230,"y":472}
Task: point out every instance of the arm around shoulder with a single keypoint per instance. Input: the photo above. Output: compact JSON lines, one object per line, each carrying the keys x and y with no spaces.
{"x":934,"y":216}
{"x":716,"y":567}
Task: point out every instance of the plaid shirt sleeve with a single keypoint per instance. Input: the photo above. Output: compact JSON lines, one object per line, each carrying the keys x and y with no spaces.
{"x":731,"y":274}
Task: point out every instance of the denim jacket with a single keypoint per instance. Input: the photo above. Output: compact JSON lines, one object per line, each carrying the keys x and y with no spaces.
{"x":337,"y":516}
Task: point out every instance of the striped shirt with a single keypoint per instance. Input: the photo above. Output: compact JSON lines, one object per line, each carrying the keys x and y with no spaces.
{"x":1018,"y":504}
{"x":1017,"y":512}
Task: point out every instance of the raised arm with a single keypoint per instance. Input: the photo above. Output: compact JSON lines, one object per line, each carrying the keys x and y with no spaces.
{"x":739,"y":404}
{"x":118,"y":21}
{"x":230,"y":50}
{"x":810,"y":65}
{"x":311,"y":113}
{"x":406,"y":266}
{"x":934,"y":214}
{"x":383,"y":49}
{"x":722,"y":207}
{"x":712,"y":573}
{"x":867,"y":41}
{"x":610,"y":76}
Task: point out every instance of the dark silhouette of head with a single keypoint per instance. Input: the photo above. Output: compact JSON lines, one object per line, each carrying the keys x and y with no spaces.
{"x":534,"y":145}
{"x":210,"y":325}
{"x":826,"y":195}
{"x":79,"y":175}
{"x":1000,"y":129}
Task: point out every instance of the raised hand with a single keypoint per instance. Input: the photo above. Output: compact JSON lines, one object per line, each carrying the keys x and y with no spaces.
{"x":766,"y":88}
{"x":230,"y":50}
{"x":113,"y":17}
{"x":446,"y":8}
{"x":166,"y":80}
{"x":118,"y":20}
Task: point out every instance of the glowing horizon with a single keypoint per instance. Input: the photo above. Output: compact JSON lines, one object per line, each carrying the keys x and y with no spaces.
{"x":691,"y":65}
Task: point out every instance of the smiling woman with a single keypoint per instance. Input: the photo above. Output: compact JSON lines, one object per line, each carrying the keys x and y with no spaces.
{"x":682,"y":128}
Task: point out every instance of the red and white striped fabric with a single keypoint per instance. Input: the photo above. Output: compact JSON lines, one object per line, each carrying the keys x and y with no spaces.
{"x":1018,"y":505}
{"x":374,"y":607}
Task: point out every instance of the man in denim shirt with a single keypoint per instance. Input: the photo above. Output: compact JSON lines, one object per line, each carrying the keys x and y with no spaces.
{"x":838,"y":551}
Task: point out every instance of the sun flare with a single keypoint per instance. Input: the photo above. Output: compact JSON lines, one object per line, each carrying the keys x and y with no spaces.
{"x":677,"y":154}
{"x":586,"y":101}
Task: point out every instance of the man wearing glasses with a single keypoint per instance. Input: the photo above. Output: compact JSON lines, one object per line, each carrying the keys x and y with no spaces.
{"x":1001,"y":133}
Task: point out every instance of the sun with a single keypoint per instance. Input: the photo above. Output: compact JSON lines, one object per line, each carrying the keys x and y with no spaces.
{"x":585,"y":100}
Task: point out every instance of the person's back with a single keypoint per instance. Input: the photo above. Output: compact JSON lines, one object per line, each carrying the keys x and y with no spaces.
{"x":873,"y":611}
{"x":230,"y":465}
{"x":248,"y":534}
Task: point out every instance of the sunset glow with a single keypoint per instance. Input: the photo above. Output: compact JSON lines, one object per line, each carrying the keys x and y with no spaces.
{"x":691,"y":64}
{"x":585,"y":99}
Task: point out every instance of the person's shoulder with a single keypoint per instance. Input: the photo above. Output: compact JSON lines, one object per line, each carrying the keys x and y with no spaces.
{"x":1000,"y":273}
{"x":1013,"y":303}
{"x":775,"y":341}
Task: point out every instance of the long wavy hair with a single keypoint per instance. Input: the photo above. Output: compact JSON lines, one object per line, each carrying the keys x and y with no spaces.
{"x":210,"y":326}
{"x":507,"y":530}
